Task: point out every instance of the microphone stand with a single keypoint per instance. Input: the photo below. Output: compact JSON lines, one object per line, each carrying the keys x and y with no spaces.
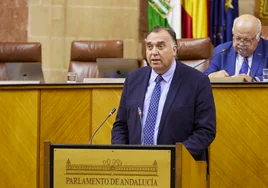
{"x":109,"y":115}
{"x":142,"y":133}
{"x":202,"y":62}
{"x":253,"y":77}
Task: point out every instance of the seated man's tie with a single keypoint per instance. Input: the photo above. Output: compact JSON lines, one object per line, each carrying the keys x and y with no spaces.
{"x":244,"y":67}
{"x":152,"y":113}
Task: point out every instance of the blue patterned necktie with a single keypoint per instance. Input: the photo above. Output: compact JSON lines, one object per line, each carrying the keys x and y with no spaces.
{"x":244,"y":67}
{"x":152,"y":113}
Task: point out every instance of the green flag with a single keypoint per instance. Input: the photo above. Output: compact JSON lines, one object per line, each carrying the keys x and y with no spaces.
{"x":165,"y":13}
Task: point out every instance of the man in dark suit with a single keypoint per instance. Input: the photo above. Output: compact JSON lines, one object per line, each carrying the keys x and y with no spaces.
{"x":184,"y":111}
{"x":245,"y":56}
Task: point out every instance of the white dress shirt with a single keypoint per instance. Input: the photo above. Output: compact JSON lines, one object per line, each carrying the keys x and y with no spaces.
{"x":239,"y":61}
{"x":165,"y":85}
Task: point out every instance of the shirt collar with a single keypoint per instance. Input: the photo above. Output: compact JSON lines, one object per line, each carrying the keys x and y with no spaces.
{"x":167,"y":75}
{"x":241,"y":58}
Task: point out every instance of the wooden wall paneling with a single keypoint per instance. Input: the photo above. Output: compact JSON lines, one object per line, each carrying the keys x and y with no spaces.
{"x":103,"y":100}
{"x":239,"y":154}
{"x":19,"y":138}
{"x":68,"y":115}
{"x":65,"y":118}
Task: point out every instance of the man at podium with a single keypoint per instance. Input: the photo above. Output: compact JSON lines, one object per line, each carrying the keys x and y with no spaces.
{"x":245,"y":56}
{"x":167,"y":102}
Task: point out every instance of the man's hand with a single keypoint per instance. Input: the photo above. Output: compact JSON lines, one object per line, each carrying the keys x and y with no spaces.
{"x":221,"y":73}
{"x":246,"y":77}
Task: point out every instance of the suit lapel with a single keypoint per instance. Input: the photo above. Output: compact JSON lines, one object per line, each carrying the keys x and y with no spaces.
{"x":257,"y":59}
{"x":231,"y":65}
{"x":173,"y":89}
{"x":142,"y":82}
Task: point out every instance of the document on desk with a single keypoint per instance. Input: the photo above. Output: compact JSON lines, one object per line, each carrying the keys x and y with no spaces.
{"x":227,"y":79}
{"x":19,"y":82}
{"x":104,"y":80}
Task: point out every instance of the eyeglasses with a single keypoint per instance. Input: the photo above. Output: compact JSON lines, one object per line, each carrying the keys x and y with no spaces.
{"x":245,"y":41}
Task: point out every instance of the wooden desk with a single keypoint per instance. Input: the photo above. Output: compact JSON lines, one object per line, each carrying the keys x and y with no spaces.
{"x":239,"y":154}
{"x":67,"y":114}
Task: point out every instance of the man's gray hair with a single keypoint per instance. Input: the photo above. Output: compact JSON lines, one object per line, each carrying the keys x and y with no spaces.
{"x":258,"y":27}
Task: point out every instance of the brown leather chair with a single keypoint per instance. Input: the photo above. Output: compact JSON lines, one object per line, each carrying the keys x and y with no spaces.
{"x":18,"y":52}
{"x":85,"y":53}
{"x":193,"y":51}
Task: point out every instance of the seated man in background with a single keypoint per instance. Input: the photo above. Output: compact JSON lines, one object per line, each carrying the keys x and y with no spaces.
{"x":167,"y":102}
{"x":245,"y":56}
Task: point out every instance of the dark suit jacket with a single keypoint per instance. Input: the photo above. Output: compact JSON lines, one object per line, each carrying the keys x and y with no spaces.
{"x":226,"y":60}
{"x":188,"y":114}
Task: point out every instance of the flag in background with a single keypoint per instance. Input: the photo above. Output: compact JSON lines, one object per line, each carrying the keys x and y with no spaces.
{"x":222,"y":15}
{"x":165,"y":13}
{"x":194,"y":18}
{"x":186,"y":19}
{"x":232,"y":12}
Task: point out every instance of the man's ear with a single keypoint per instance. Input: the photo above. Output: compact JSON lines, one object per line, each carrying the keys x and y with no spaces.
{"x":259,"y":36}
{"x":175,"y":50}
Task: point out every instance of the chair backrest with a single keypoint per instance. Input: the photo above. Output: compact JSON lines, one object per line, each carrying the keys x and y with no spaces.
{"x":264,"y":32}
{"x":84,"y":55}
{"x":194,"y":51}
{"x":18,"y":52}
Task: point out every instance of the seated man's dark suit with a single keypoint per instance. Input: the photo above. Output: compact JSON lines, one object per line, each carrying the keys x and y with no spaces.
{"x":188,"y":114}
{"x":226,"y":60}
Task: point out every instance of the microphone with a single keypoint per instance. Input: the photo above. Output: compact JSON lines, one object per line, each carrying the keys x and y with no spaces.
{"x":142,"y":133}
{"x":253,"y":78}
{"x":109,"y":115}
{"x":241,"y":51}
{"x":202,"y":62}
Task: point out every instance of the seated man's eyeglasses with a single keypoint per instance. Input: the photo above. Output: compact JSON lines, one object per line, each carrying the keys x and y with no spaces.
{"x":245,"y":41}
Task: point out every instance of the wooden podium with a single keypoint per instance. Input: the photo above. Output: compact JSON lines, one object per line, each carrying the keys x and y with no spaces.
{"x":102,"y":166}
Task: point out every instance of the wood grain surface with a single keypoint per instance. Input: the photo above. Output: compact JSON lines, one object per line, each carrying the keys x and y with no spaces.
{"x":67,"y":114}
{"x":239,"y":154}
{"x":19,"y":121}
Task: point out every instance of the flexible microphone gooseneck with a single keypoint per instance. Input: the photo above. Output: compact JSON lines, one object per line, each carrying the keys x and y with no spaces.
{"x":109,"y":115}
{"x":223,"y":50}
{"x":241,"y":50}
{"x":142,"y":133}
{"x":250,"y":72}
